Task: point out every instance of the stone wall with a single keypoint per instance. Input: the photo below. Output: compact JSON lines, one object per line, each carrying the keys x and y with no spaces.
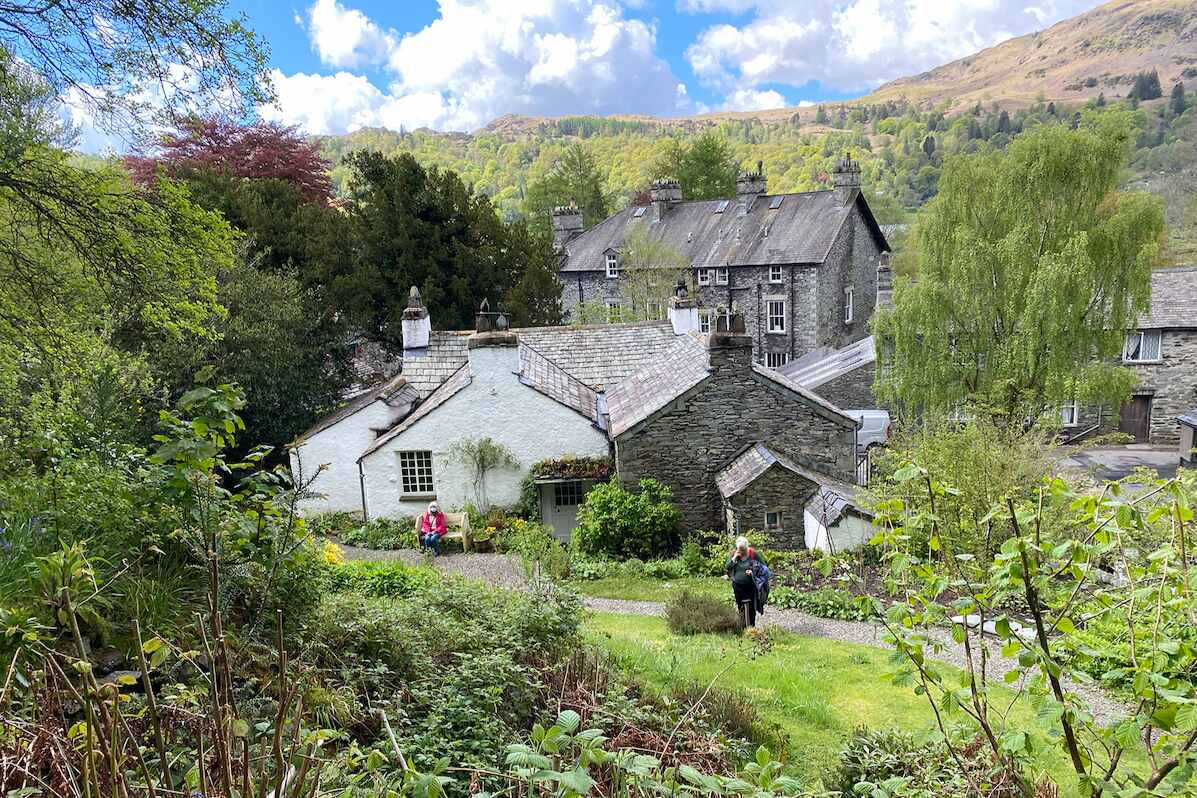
{"x":1174,"y":382}
{"x":851,"y":391}
{"x":852,"y":262}
{"x":777,"y":490}
{"x":685,"y":444}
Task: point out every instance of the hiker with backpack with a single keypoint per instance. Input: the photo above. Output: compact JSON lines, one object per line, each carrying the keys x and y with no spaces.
{"x":749,"y":575}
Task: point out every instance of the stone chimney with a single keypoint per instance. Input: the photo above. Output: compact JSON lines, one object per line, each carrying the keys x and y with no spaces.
{"x":417,"y":326}
{"x":683,"y":310}
{"x":750,"y":185}
{"x":846,"y":179}
{"x":730,"y":346}
{"x":665,"y":193}
{"x":567,"y":225}
{"x":885,"y":282}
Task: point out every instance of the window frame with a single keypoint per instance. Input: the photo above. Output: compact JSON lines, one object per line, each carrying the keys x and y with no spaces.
{"x":706,"y":318}
{"x":776,"y":275}
{"x":849,"y":304}
{"x":612,"y":265}
{"x":573,"y":489}
{"x":721,"y":275}
{"x":617,"y":316}
{"x":416,"y":479}
{"x":777,"y":524}
{"x":784,"y":357}
{"x":1075,"y":413}
{"x":654,"y":311}
{"x":771,"y":317}
{"x":704,"y":276}
{"x":1142,"y":337}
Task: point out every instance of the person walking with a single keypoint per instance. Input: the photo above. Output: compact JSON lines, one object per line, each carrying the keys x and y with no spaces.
{"x":742,"y":567}
{"x":432,"y":528}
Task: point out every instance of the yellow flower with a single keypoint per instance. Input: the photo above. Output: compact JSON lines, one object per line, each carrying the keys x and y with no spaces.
{"x":331,"y":553}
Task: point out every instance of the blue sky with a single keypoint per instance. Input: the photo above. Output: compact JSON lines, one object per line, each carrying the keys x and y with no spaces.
{"x":339,"y":65}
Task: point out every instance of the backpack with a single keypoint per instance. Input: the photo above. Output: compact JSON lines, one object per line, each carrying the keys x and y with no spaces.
{"x":762,"y":575}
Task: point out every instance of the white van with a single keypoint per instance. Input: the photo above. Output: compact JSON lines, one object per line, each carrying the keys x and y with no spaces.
{"x":874,"y":428}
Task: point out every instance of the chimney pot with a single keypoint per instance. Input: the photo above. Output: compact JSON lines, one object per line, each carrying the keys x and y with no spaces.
{"x":846,"y":179}
{"x":417,"y":326}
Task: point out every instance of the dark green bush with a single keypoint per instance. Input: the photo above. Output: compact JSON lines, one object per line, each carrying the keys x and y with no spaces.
{"x":826,"y":602}
{"x":690,"y":613}
{"x":620,"y":523}
{"x":380,"y":579}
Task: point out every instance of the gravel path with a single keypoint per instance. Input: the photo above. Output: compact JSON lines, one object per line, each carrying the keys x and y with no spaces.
{"x":505,"y":571}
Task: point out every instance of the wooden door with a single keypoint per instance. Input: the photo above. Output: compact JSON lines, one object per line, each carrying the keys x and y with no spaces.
{"x":1135,"y":418}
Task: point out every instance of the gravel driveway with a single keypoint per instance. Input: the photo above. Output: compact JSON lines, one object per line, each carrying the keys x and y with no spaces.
{"x":505,"y":571}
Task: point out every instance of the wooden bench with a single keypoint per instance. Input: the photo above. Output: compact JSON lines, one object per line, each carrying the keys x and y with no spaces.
{"x":459,"y":529}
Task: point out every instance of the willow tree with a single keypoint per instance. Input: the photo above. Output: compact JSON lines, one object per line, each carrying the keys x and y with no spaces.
{"x":649,"y":270}
{"x":1031,"y":266}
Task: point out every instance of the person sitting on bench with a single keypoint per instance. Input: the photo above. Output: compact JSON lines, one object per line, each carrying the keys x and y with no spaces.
{"x":431,"y":528}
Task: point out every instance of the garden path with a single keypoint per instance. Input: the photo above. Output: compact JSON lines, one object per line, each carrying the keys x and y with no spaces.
{"x":506,"y":571}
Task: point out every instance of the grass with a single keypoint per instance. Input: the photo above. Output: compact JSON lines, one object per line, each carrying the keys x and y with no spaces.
{"x":816,"y":689}
{"x":646,"y":588}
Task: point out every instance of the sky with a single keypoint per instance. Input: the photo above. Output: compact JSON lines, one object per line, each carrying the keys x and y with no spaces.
{"x":339,"y":65}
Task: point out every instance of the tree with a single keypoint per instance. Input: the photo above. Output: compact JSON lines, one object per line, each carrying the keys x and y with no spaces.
{"x":1025,"y":288}
{"x":706,"y":168}
{"x":929,"y":146}
{"x":575,"y":179}
{"x":1176,"y":101}
{"x":128,"y":65}
{"x":535,"y":300}
{"x":1147,"y":86}
{"x":1100,"y":102}
{"x":260,"y":150}
{"x":820,"y":116}
{"x":648,"y":271}
{"x":480,"y":457}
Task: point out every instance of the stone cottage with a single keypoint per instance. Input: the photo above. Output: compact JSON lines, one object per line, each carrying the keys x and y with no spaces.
{"x":800,"y":268}
{"x":661,"y":399}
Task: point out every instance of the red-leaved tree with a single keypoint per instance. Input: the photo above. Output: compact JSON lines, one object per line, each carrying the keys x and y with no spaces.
{"x":258,"y":150}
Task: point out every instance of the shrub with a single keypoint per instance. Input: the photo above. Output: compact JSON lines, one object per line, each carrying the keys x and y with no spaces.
{"x":664,"y":569}
{"x":335,"y":525}
{"x":588,"y":568}
{"x":690,"y":613}
{"x":694,"y":562}
{"x":380,"y":579}
{"x":620,"y":523}
{"x":382,"y":533}
{"x":537,"y":547}
{"x":874,"y":755}
{"x":826,"y":602}
{"x":734,"y":714}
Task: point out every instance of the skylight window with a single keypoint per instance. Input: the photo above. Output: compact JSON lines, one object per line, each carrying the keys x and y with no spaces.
{"x":722,"y":206}
{"x":638,"y":212}
{"x":775,"y":203}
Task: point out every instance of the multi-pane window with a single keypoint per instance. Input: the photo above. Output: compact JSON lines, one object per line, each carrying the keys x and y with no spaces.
{"x":721,"y":275}
{"x":654,"y":311}
{"x":1069,"y":414}
{"x":847,"y":306}
{"x":775,"y":312}
{"x":772,"y":519}
{"x":612,"y":265}
{"x":1142,"y":345}
{"x":415,"y":472}
{"x":704,"y":321}
{"x":704,"y":276}
{"x":568,"y":494}
{"x":614,"y":311}
{"x":775,"y":274}
{"x":776,"y":360}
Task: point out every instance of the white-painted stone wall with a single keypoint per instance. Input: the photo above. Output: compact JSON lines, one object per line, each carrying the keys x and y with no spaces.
{"x":339,"y":446}
{"x":494,"y":404}
{"x":848,"y":533}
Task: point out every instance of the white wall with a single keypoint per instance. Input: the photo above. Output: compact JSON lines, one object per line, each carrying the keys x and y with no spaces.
{"x":494,"y":404}
{"x":339,"y":446}
{"x":849,"y":532}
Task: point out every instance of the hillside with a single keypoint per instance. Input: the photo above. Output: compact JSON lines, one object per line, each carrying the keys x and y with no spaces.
{"x":1099,"y":51}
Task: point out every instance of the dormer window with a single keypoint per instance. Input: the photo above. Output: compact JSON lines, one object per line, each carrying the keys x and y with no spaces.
{"x":612,"y":265}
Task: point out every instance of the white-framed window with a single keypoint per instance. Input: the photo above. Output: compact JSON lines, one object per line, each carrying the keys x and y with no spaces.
{"x":721,"y":275}
{"x":1142,"y":346}
{"x":776,"y":360}
{"x":775,"y":314}
{"x":568,"y":494}
{"x":612,"y":265}
{"x":704,"y":276}
{"x":614,"y":311}
{"x":1070,"y":414}
{"x":415,"y":473}
{"x":704,"y":321}
{"x":848,"y":305}
{"x":654,"y":311}
{"x":775,"y":274}
{"x":773,"y":519}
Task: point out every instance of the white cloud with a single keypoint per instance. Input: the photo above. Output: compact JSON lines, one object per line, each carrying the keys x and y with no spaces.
{"x":855,"y":45}
{"x":478,"y":60}
{"x":345,"y":37}
{"x":753,"y":100}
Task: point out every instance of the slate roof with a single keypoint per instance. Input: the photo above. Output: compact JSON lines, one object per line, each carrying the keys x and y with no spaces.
{"x":830,"y":504}
{"x":811,"y":373}
{"x":393,"y":391}
{"x":603,"y":354}
{"x":675,"y":371}
{"x":1173,"y":299}
{"x":542,"y":374}
{"x":1189,"y":418}
{"x":746,"y":467}
{"x":456,"y":381}
{"x":427,"y":369}
{"x":800,"y":230}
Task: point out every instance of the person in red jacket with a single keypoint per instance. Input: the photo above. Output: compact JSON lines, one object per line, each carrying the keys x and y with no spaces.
{"x":432,"y":528}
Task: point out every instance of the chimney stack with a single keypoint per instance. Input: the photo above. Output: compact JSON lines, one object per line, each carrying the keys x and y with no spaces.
{"x":567,"y":225}
{"x":846,"y":179}
{"x":885,"y":282}
{"x":664,"y":193}
{"x":417,"y":326}
{"x":730,"y":346}
{"x":749,"y":186}
{"x":683,"y":310}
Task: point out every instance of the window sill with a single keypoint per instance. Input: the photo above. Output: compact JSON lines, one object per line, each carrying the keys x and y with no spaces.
{"x":775,"y":332}
{"x":1155,"y":362}
{"x":417,"y":497}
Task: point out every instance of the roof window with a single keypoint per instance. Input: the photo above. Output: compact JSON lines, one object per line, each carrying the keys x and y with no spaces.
{"x":638,"y":212}
{"x":722,"y":206}
{"x":775,"y":203}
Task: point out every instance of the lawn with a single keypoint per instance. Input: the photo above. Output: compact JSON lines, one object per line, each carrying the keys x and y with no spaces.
{"x":647,"y":588}
{"x":816,"y":689}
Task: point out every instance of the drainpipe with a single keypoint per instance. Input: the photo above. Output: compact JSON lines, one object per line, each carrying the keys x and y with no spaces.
{"x":361,"y":480}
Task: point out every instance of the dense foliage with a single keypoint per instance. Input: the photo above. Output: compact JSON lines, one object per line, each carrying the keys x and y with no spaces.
{"x":618,"y":522}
